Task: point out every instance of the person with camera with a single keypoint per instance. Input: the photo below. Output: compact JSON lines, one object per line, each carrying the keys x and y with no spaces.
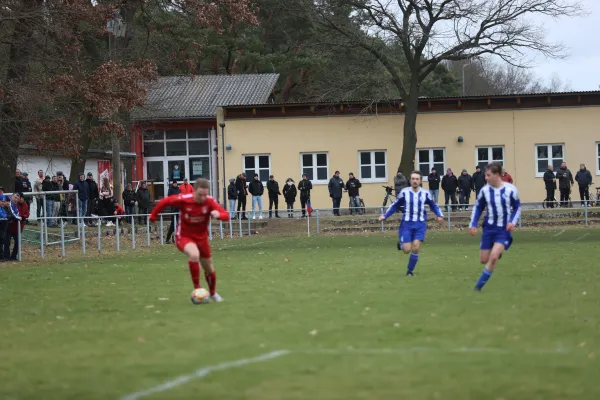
{"x":434,"y":184}
{"x":353,"y":186}
{"x":565,"y":180}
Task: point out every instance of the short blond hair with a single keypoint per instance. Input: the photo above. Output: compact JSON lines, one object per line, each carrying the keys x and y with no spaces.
{"x":201,"y":183}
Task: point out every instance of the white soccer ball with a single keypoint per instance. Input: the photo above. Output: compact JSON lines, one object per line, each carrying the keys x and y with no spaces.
{"x":200,"y":296}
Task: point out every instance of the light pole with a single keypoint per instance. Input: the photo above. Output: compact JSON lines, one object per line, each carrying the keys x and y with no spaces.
{"x":222,"y":125}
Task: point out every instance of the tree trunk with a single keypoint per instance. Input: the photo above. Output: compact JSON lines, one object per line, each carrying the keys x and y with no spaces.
{"x":78,"y":162}
{"x":409,"y":142}
{"x":8,"y":160}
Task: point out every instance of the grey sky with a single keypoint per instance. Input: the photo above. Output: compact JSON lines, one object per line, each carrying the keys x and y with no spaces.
{"x":581,"y":36}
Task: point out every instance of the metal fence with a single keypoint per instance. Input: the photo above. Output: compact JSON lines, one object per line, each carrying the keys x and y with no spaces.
{"x":98,"y":234}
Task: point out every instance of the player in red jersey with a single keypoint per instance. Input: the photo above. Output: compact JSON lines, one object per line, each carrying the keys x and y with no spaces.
{"x":191,"y":238}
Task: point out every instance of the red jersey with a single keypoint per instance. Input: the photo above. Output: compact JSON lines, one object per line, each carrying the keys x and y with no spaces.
{"x":193,"y":217}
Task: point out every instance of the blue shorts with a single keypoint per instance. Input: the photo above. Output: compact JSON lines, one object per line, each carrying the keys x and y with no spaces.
{"x":410,"y":231}
{"x":493,"y":234}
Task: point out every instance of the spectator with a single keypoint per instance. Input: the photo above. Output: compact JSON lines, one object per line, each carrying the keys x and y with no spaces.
{"x":14,"y":226}
{"x":9,"y":212}
{"x":434,"y":184}
{"x":400,"y":182}
{"x":143,"y":199}
{"x":274,"y":193}
{"x":353,"y":186}
{"x":550,"y":182}
{"x":506,"y":177}
{"x":256,"y":189}
{"x":83,"y":193}
{"x":93,"y":197}
{"x":565,"y":180}
{"x":39,"y":200}
{"x":57,"y":201}
{"x":289,"y":194}
{"x":118,"y":210}
{"x":232,"y":195}
{"x":336,"y":187}
{"x":173,"y":190}
{"x":304,"y":187}
{"x":584,"y":180}
{"x":242,"y":190}
{"x":18,"y":181}
{"x":465,"y":185}
{"x":186,"y":188}
{"x":478,"y":180}
{"x":63,"y":205}
{"x":106,"y":201}
{"x":26,"y":188}
{"x":48,"y":186}
{"x":449,"y":186}
{"x":129,"y":201}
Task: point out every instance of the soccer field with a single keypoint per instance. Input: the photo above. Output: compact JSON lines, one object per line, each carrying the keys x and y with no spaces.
{"x":310,"y":318}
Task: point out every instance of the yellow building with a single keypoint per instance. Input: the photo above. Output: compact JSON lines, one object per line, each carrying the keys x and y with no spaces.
{"x":524,"y":132}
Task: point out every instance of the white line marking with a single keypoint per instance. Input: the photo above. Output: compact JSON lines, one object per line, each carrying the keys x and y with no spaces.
{"x":409,"y":350}
{"x":560,"y":233}
{"x":579,"y":238}
{"x":202,"y":372}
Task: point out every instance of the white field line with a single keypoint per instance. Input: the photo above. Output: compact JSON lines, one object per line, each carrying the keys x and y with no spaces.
{"x":579,"y":238}
{"x":202,"y":372}
{"x":560,"y":233}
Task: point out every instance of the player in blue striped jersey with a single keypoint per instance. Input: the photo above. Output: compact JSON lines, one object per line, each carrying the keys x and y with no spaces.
{"x":503,"y":206}
{"x":413,"y":225}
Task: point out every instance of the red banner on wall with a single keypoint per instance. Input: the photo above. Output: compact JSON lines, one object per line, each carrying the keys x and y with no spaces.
{"x":104,"y":171}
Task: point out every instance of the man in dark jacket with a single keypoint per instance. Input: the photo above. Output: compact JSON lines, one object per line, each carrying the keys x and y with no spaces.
{"x":304,"y":187}
{"x":336,"y":188}
{"x":434,"y":184}
{"x":400,"y":182}
{"x":449,"y":186}
{"x":143,"y":199}
{"x":256,"y":189}
{"x":550,"y":182}
{"x":584,"y":180}
{"x":232,"y":195}
{"x":465,"y":185}
{"x":94,"y":195}
{"x":565,"y":180}
{"x":353,"y":186}
{"x":273,"y":189}
{"x":240,"y":185}
{"x":83,"y":192}
{"x":478,"y":180}
{"x":129,"y":201}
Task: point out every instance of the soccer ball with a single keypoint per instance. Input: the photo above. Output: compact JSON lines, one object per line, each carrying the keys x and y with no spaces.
{"x":200,"y":296}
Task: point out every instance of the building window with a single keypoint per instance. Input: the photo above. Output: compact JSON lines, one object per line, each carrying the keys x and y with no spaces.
{"x":428,"y":159}
{"x":315,"y":166}
{"x":486,"y":155}
{"x":257,"y":164}
{"x":373,"y":165}
{"x":548,"y":154}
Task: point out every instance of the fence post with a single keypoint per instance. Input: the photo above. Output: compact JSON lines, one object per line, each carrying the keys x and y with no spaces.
{"x":586,"y":212}
{"x":77,"y":216}
{"x":231,"y":229}
{"x":449,"y":211}
{"x":148,"y":229}
{"x":221,"y":228}
{"x":162,"y":240}
{"x":99,"y":235}
{"x":133,"y":233}
{"x":118,"y":233}
{"x":308,"y":225}
{"x":42,"y":238}
{"x":62,"y":239}
{"x":382,"y":222}
{"x":20,"y":240}
{"x":83,"y":238}
{"x":210,"y":229}
{"x":47,"y":221}
{"x":318,"y":223}
{"x":174,"y":224}
{"x":240,"y":223}
{"x":249,"y":227}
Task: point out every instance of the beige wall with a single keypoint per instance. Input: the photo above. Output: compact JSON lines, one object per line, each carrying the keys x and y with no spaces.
{"x":518,"y":131}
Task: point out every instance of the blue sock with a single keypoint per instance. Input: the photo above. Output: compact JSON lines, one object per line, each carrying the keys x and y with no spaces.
{"x":412,"y":262}
{"x":485,"y":275}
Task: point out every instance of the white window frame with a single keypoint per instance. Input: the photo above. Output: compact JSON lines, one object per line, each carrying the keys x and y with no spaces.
{"x":597,"y":157}
{"x":431,"y":163}
{"x":314,"y":166}
{"x":373,"y":165}
{"x":490,"y":157}
{"x":257,"y":169}
{"x":550,"y":159}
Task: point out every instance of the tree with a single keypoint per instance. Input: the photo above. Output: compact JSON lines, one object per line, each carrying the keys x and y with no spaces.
{"x":431,"y":32}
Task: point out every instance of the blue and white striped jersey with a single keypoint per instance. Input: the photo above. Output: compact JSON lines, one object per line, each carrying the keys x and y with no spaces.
{"x":503,"y":206}
{"x":414,"y":205}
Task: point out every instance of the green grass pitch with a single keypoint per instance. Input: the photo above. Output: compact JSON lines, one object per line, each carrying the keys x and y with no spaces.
{"x":351,"y":324}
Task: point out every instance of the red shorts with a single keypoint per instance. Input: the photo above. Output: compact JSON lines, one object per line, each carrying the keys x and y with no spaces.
{"x":203,"y":245}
